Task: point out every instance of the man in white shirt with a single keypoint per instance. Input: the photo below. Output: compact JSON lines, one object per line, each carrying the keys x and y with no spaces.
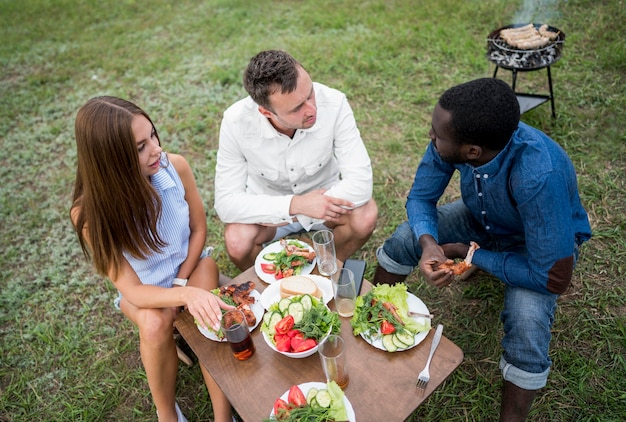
{"x":291,"y":158}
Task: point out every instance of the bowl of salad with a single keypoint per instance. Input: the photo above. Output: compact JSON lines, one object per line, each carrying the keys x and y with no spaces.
{"x":295,"y":325}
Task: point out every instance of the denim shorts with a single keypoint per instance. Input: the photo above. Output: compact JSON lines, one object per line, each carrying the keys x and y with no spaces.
{"x":527,"y":316}
{"x":295,"y":227}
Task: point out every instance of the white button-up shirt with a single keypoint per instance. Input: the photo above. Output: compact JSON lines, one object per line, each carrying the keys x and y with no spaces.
{"x":259,"y":169}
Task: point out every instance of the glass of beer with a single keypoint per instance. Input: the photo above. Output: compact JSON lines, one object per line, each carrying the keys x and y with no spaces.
{"x":324,"y":245}
{"x":345,"y":292}
{"x":237,"y":333}
{"x":332,"y":351}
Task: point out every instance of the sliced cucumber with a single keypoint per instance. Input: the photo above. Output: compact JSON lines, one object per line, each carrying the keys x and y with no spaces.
{"x":275,"y":317}
{"x":270,"y":256}
{"x":283,"y":304}
{"x":266,"y":318}
{"x":388,"y":343}
{"x":405,"y":337}
{"x":323,"y":398}
{"x":307,"y":302}
{"x":296,"y":310}
{"x":397,"y":342}
{"x":310,"y":395}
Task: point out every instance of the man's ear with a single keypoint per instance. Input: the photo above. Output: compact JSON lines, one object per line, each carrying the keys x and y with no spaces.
{"x":265,"y":112}
{"x":473,"y":152}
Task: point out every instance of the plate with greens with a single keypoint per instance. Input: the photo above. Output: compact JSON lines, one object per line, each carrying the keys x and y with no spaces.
{"x":381,"y":318}
{"x":284,"y":258}
{"x":313,"y":401}
{"x":254,"y":311}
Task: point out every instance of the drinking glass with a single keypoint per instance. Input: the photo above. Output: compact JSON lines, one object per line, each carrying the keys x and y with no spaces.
{"x":324,"y":245}
{"x":344,"y":290}
{"x":332,"y":351}
{"x":235,"y":328}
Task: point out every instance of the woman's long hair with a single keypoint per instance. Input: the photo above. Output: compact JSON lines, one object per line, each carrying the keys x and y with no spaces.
{"x":115,"y":207}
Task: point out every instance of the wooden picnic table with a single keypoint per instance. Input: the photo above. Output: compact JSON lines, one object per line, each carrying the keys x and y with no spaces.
{"x":382,"y":384}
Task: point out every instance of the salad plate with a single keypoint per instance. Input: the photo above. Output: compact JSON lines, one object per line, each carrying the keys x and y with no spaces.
{"x":305,"y":387}
{"x":272,"y":293}
{"x":285,"y":332}
{"x":415,"y":304}
{"x":256,"y":308}
{"x":276,"y":247}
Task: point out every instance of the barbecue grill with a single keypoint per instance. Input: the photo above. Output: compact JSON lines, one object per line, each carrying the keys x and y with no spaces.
{"x":505,"y":56}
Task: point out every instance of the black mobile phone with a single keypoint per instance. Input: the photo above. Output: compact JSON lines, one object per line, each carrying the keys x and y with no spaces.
{"x":357,"y":266}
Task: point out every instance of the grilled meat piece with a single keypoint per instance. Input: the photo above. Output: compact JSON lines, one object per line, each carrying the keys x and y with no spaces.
{"x":247,"y":312}
{"x":240,"y":293}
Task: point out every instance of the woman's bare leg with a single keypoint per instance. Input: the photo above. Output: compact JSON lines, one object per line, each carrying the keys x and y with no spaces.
{"x":158,"y":355}
{"x":206,"y":276}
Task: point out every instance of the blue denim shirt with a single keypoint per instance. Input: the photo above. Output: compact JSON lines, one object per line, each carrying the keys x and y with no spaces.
{"x":528,"y":189}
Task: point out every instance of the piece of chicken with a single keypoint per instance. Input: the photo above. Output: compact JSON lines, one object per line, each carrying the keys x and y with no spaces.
{"x":247,"y":312}
{"x":240,"y":293}
{"x":461,"y":267}
{"x":291,"y":249}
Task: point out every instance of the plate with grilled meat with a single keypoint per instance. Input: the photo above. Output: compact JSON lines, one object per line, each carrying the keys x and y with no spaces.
{"x":284,"y":258}
{"x":246,"y":299}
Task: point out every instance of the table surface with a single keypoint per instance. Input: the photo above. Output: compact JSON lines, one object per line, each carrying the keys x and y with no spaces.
{"x":382,"y":384}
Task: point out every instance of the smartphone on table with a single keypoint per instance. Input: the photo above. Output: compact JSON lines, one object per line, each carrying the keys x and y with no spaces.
{"x":357,"y":266}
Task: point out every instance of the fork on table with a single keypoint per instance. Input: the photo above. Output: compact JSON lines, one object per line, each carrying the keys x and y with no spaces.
{"x":424,"y":376}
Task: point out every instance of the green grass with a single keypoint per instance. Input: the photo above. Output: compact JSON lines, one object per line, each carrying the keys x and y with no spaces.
{"x":67,"y":355}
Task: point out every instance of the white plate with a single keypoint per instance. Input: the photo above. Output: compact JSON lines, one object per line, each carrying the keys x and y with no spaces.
{"x":256,"y":308}
{"x":272,"y":293}
{"x":415,"y":305}
{"x":277,"y":247}
{"x":305,"y":387}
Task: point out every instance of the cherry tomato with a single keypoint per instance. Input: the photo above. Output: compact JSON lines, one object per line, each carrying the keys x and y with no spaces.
{"x":268,"y":268}
{"x":292,"y":332}
{"x":296,"y":397}
{"x":284,"y":325}
{"x":283,"y":342}
{"x":281,"y":409}
{"x":304,"y":345}
{"x":387,"y":328}
{"x":296,"y":341}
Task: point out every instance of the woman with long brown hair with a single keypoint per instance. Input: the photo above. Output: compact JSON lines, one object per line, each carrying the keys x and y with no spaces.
{"x":140,"y":219}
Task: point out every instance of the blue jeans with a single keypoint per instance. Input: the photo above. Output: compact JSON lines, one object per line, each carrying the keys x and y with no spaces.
{"x":527,"y":316}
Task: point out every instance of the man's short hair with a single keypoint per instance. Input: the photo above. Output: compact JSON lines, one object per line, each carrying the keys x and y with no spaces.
{"x":484,"y":112}
{"x":268,"y":72}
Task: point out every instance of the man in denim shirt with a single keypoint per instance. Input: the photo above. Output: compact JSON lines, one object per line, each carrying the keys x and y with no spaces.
{"x":520,"y":203}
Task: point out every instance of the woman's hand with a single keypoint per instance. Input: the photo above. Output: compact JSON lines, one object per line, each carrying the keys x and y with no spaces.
{"x":205,"y":307}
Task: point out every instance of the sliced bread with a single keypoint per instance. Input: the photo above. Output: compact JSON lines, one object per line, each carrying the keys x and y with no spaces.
{"x":299,"y":285}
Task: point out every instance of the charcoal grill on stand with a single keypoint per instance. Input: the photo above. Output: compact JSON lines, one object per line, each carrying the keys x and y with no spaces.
{"x":518,"y":60}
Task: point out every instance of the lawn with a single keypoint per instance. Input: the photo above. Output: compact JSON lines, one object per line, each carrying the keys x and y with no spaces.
{"x":68,"y":355}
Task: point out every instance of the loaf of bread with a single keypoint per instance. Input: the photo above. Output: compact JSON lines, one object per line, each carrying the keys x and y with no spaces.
{"x":299,"y":285}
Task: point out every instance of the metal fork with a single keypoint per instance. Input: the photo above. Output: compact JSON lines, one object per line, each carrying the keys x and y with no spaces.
{"x":424,"y":376}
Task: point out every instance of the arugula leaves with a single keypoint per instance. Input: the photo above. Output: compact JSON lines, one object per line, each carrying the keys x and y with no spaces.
{"x":317,"y":321}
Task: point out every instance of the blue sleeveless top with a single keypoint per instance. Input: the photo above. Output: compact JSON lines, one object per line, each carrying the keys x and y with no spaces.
{"x":159,"y":269}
